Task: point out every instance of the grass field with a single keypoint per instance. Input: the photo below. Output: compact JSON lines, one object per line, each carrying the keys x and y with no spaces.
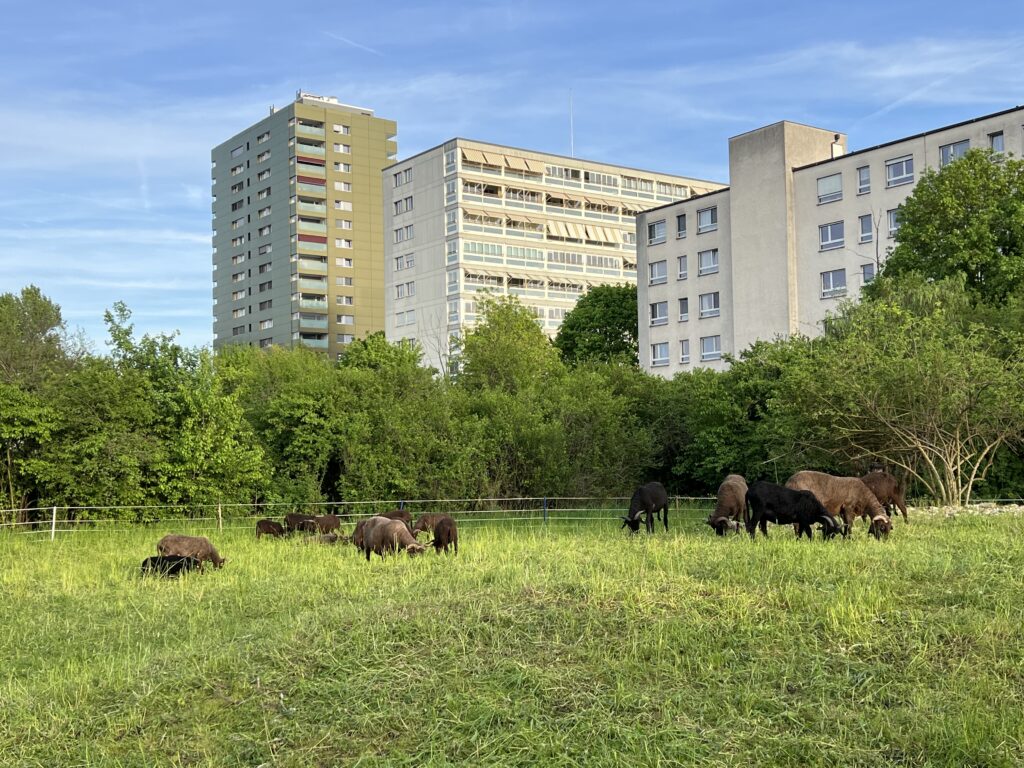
{"x":571,"y":646}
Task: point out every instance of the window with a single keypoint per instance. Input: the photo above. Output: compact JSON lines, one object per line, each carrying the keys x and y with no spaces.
{"x":711,"y":348}
{"x":405,"y":289}
{"x":262,"y":213}
{"x":264,"y":231}
{"x":866,"y":228}
{"x":263,"y":175}
{"x":264,"y":343}
{"x":684,"y":351}
{"x":238,"y":240}
{"x":707,"y":220}
{"x":405,"y":318}
{"x":342,"y":242}
{"x":830,"y":236}
{"x":656,"y":232}
{"x":833,"y":283}
{"x":345,"y":149}
{"x":403,"y":233}
{"x":238,"y":150}
{"x":265,"y":305}
{"x":264,"y":268}
{"x":343,"y":167}
{"x":237,"y":204}
{"x":343,"y":261}
{"x":950,"y":152}
{"x":342,"y":129}
{"x":453,"y":281}
{"x":263,"y":156}
{"x":343,"y":223}
{"x":659,"y":313}
{"x":681,"y":274}
{"x":710,"y":305}
{"x":658,"y":272}
{"x":863,"y":180}
{"x":342,"y":205}
{"x":406,"y":261}
{"x":238,"y":330}
{"x":894,"y":221}
{"x":593,"y":177}
{"x":402,"y":177}
{"x":659,"y":354}
{"x":238,"y":258}
{"x":830,"y":188}
{"x":238,"y":277}
{"x":345,"y":319}
{"x":266,"y":286}
{"x":265,"y":324}
{"x":237,"y":187}
{"x":238,"y":295}
{"x":240,"y":312}
{"x":684,"y":310}
{"x":263,"y":194}
{"x":237,"y":169}
{"x":681,"y":225}
{"x":899,"y":171}
{"x":707,"y":262}
{"x":238,"y":223}
{"x":345,"y":338}
{"x":343,"y":186}
{"x":867,"y":272}
{"x":404,"y":205}
{"x":265,"y":249}
{"x":345,"y":301}
{"x":265,"y":136}
{"x":995,"y":141}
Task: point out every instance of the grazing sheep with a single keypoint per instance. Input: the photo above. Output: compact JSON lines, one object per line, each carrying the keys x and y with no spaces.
{"x":446,"y":534}
{"x":357,"y":532}
{"x":731,"y":503}
{"x":723,"y":524}
{"x":198,"y":547}
{"x":381,"y":535}
{"x":647,"y":500}
{"x":327,"y":523}
{"x":888,"y":490}
{"x":770,"y":503}
{"x":880,"y":526}
{"x":843,"y":497}
{"x":426,"y":523}
{"x":295,"y":521}
{"x":399,"y":514}
{"x":269,"y":528}
{"x":171,"y":566}
{"x":324,"y":538}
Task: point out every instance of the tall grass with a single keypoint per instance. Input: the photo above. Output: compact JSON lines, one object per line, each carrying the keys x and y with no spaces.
{"x":566,"y":645}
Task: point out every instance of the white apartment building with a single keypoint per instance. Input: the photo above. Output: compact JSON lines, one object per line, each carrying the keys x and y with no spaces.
{"x":468,"y":217}
{"x":802,"y":225}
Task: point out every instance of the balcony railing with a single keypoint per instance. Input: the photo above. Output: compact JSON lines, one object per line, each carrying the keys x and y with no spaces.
{"x":309,"y":130}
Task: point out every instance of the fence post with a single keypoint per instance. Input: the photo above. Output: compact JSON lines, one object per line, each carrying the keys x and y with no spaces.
{"x":220,"y":519}
{"x":53,"y":525}
{"x":545,"y":511}
{"x":401,"y":505}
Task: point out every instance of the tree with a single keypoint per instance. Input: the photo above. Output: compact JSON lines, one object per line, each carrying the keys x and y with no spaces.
{"x":33,"y":339}
{"x":966,"y":218}
{"x":601,"y":327}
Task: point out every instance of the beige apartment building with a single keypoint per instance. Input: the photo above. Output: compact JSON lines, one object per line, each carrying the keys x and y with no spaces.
{"x":468,"y":218}
{"x":298,"y":251}
{"x":802,"y":225}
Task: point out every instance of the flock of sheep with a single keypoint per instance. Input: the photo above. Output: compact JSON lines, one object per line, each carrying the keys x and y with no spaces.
{"x":382,"y":534}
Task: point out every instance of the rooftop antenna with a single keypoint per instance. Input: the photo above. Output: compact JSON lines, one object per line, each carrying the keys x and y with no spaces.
{"x":572,"y":144}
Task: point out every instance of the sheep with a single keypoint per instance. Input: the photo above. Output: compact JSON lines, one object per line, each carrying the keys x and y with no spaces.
{"x":880,"y":526}
{"x":381,"y":535}
{"x":324,"y":538}
{"x":295,"y":521}
{"x":198,"y":547}
{"x":723,"y":524}
{"x":446,"y":534}
{"x":777,"y":504}
{"x":732,"y":495}
{"x":269,"y":528}
{"x":843,"y":497}
{"x":399,"y":514}
{"x":647,"y":500}
{"x":171,"y":565}
{"x":357,"y":533}
{"x":327,"y":523}
{"x":888,"y":490}
{"x":426,"y":523}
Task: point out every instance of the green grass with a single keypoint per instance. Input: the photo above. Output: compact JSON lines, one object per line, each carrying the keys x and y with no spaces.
{"x":575,"y":646}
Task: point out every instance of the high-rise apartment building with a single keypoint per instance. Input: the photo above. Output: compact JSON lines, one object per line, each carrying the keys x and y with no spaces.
{"x":298,"y":254}
{"x":802,"y":225}
{"x":467,"y":218}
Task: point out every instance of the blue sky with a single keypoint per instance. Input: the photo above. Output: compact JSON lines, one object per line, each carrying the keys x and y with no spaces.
{"x":110,"y":109}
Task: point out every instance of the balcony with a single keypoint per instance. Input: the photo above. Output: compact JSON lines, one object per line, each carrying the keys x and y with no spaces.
{"x":309,"y":226}
{"x":319,"y":208}
{"x":312,"y":283}
{"x":312,"y":265}
{"x":316,"y":342}
{"x":309,"y":130}
{"x":315,"y":322}
{"x":312,"y":189}
{"x":313,"y":302}
{"x":315,"y":150}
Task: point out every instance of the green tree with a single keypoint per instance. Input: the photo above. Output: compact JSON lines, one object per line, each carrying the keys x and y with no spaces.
{"x":33,"y":339}
{"x":601,"y":327}
{"x":966,"y":218}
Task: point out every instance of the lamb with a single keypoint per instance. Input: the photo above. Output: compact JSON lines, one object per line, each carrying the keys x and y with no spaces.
{"x":269,"y":528}
{"x":446,"y":534}
{"x":843,"y":497}
{"x":732,"y":495}
{"x":170,"y":566}
{"x":888,"y":490}
{"x":382,"y":535}
{"x":647,"y":500}
{"x":198,"y":547}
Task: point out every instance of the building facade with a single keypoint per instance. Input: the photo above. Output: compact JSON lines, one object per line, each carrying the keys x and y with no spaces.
{"x":298,"y":252}
{"x":468,"y":218}
{"x":802,"y":225}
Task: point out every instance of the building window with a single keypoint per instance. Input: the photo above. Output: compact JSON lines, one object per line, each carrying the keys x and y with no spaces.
{"x":342,"y":261}
{"x":237,"y":295}
{"x":238,"y":277}
{"x":264,"y":231}
{"x":265,"y":136}
{"x":238,"y":258}
{"x":656,"y":232}
{"x":264,"y":268}
{"x":709,"y":305}
{"x":266,"y":286}
{"x":658,"y":271}
{"x":711,"y":348}
{"x":681,"y":225}
{"x":345,"y":281}
{"x":950,"y":152}
{"x":867,"y":272}
{"x":866,"y":228}
{"x":345,"y":319}
{"x":833,"y":284}
{"x":263,"y":250}
{"x":237,"y":204}
{"x":659,"y":313}
{"x":402,"y":177}
{"x":344,"y":130}
{"x":265,"y":305}
{"x":343,"y":186}
{"x":237,"y":169}
{"x":899,"y":171}
{"x":405,"y":318}
{"x":238,"y":223}
{"x":995,"y":142}
{"x":405,"y":289}
{"x":237,"y":187}
{"x":263,"y":156}
{"x":343,"y":167}
{"x":345,"y":338}
{"x":830,"y":188}
{"x":659,"y":354}
{"x":830,"y":236}
{"x":403,"y":233}
{"x":240,"y":312}
{"x":238,"y":330}
{"x":238,"y":150}
{"x":707,"y":262}
{"x":863,"y":180}
{"x":265,"y":324}
{"x":263,"y":194}
{"x":453,"y":281}
{"x":345,"y":301}
{"x":894,"y":221}
{"x":681,"y":266}
{"x":684,"y":310}
{"x":262,"y":213}
{"x":707,"y":220}
{"x":238,"y":240}
{"x":684,"y":351}
{"x":402,"y":206}
{"x":342,"y":205}
{"x":264,"y":343}
{"x":343,"y":223}
{"x":345,"y":149}
{"x":342,"y":242}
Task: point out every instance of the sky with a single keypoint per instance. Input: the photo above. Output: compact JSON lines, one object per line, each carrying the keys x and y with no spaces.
{"x":109,"y":110}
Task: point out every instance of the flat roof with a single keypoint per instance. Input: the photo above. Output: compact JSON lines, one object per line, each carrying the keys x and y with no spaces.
{"x":685,"y":200}
{"x":550,"y":154}
{"x":910,"y":138}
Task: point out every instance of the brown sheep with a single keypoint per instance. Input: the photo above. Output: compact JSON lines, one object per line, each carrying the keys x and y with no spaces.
{"x":399,"y":514}
{"x":382,"y":535}
{"x":295,"y":521}
{"x":269,"y":528}
{"x":446,"y":534}
{"x":732,"y":495}
{"x":888,"y":490}
{"x":327,"y":523}
{"x":880,"y":526}
{"x":198,"y":547}
{"x":426,"y":523}
{"x":843,"y":497}
{"x":357,"y":532}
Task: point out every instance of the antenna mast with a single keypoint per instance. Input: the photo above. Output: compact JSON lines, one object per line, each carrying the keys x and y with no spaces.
{"x":572,"y":144}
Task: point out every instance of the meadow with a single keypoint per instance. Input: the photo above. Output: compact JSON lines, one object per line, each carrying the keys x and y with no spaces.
{"x":566,"y":645}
